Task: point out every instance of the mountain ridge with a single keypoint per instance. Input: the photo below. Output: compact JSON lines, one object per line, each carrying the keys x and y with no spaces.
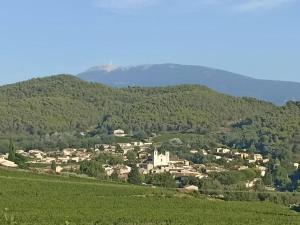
{"x":219,"y":80}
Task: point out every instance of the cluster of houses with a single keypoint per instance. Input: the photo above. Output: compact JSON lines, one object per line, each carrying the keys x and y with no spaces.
{"x":65,"y":156}
{"x":149,"y":160}
{"x":61,"y":158}
{"x":252,"y":160}
{"x":124,"y":147}
{"x":161,"y":162}
{"x":229,"y":155}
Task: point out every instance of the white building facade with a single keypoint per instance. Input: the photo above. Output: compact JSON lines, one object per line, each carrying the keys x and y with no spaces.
{"x":161,"y":159}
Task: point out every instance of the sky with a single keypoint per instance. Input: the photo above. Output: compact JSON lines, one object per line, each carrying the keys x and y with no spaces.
{"x":258,"y":38}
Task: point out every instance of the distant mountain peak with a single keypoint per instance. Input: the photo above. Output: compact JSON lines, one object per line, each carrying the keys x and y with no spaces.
{"x":105,"y":68}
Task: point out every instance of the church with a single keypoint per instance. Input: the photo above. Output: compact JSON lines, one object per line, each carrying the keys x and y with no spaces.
{"x":161,"y":160}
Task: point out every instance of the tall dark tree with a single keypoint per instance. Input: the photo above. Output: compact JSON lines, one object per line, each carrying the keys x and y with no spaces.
{"x":119,"y":149}
{"x":131,"y":158}
{"x":134,"y":177}
{"x":12,"y":151}
{"x":53,"y":165}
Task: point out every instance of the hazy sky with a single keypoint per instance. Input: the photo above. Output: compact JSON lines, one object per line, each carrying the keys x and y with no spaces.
{"x":259,"y":38}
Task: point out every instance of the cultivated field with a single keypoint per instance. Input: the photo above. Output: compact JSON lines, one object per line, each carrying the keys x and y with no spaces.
{"x":30,"y":199}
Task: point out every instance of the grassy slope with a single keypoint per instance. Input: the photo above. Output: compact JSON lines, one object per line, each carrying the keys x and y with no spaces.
{"x":38,"y":199}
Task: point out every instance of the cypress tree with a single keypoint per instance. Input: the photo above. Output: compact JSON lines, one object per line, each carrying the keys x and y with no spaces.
{"x":134,"y":177}
{"x":12,"y":151}
{"x":53,"y":165}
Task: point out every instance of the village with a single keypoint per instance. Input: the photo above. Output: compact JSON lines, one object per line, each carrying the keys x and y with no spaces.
{"x":148,"y":159}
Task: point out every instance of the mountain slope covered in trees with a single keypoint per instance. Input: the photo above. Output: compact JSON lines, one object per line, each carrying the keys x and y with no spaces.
{"x":62,"y":103}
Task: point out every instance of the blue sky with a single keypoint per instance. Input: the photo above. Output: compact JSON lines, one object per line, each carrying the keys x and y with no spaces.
{"x":259,"y":38}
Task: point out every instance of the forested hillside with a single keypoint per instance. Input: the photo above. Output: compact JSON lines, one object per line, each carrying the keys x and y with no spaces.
{"x":62,"y":103}
{"x":59,"y":104}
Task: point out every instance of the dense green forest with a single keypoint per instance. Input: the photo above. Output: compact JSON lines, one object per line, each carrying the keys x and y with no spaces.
{"x":52,"y":111}
{"x":62,"y":103}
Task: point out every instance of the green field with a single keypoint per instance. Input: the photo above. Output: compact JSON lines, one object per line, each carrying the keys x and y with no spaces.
{"x":47,"y":200}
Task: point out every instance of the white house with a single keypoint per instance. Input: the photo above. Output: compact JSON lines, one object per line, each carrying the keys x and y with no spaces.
{"x":109,"y":170}
{"x":217,"y":157}
{"x":105,"y":146}
{"x":193,"y":151}
{"x":223,"y":150}
{"x":58,"y":169}
{"x":63,"y":159}
{"x":262,"y":170}
{"x":138,"y":143}
{"x":242,"y":155}
{"x":251,"y":184}
{"x":75,"y":159}
{"x":204,"y":152}
{"x":37,"y":154}
{"x":257,"y":157}
{"x":147,"y":143}
{"x":69,"y":151}
{"x":35,"y":151}
{"x":119,"y":133}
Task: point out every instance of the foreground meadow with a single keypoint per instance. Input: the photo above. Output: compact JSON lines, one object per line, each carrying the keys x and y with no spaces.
{"x":30,"y":199}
